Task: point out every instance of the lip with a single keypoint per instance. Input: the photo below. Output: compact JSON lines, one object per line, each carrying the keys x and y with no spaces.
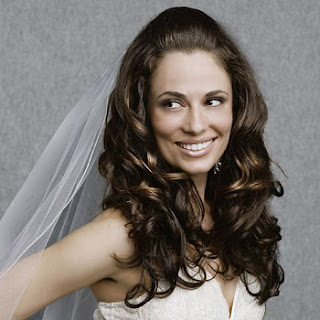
{"x":192,"y":141}
{"x":195,"y":153}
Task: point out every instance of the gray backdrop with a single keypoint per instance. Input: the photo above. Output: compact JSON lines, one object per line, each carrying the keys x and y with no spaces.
{"x":52,"y":50}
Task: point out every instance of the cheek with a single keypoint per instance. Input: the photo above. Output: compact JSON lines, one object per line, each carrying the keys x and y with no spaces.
{"x":164,"y":128}
{"x":222,"y":123}
{"x":228,"y":125}
{"x":226,"y":122}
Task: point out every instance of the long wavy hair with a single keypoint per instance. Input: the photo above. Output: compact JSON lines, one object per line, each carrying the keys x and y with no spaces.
{"x":160,"y":203}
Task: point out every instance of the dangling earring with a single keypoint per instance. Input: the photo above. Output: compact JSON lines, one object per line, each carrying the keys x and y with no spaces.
{"x":217,"y":166}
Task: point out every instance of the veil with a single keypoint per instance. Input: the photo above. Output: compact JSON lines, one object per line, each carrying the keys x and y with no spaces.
{"x":63,"y":192}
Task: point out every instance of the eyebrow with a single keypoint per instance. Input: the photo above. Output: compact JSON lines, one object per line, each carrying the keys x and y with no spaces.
{"x":181,"y":95}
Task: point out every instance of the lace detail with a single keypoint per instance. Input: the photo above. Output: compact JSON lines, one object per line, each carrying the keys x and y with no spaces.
{"x":206,"y":302}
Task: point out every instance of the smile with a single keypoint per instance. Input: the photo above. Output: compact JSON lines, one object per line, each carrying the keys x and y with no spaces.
{"x":195,"y":146}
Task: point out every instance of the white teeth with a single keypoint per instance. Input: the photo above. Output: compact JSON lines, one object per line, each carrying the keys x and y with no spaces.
{"x":195,"y":146}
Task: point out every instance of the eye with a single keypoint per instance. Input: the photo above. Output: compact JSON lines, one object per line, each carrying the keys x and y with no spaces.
{"x":215,"y":102}
{"x":171,"y":104}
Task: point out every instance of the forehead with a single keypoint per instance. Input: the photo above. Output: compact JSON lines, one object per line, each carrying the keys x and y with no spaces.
{"x":188,"y":72}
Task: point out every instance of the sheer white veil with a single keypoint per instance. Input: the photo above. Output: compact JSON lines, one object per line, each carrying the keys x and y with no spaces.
{"x":63,"y":192}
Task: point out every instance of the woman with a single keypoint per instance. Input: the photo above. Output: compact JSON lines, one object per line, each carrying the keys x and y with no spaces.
{"x":190,"y":182}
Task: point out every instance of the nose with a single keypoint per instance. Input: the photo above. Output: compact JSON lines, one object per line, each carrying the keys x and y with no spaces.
{"x":196,"y":120}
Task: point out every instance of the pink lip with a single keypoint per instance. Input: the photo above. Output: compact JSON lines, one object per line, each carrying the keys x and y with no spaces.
{"x":197,"y":154}
{"x":191,"y":141}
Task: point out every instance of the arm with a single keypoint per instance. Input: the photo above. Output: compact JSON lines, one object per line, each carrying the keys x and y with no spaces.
{"x":77,"y":261}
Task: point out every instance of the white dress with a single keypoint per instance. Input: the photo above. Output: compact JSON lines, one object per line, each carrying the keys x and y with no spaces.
{"x":204,"y":303}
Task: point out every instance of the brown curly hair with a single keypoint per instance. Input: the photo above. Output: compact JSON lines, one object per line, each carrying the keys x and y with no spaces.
{"x":162,"y":204}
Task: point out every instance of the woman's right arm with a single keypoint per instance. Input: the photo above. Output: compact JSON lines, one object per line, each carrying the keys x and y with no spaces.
{"x":77,"y":261}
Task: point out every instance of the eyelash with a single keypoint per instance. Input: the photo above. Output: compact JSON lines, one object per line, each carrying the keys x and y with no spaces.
{"x":165,"y":103}
{"x":219,"y":99}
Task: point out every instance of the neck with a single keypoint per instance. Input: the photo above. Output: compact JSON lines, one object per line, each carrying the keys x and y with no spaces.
{"x":200,"y":182}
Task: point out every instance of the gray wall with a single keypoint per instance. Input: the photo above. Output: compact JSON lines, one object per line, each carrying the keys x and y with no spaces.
{"x":52,"y":50}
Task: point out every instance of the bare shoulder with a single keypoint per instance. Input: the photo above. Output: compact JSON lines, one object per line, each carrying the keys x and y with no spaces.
{"x":100,"y":240}
{"x":115,"y":229}
{"x":111,"y":215}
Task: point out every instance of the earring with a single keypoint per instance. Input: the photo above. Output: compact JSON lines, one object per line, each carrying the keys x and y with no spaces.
{"x":217,"y":166}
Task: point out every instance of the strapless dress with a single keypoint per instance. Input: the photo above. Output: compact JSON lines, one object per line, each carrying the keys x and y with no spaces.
{"x":204,"y":303}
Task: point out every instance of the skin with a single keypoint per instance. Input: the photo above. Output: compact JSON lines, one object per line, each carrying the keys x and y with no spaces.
{"x":67,"y":265}
{"x":203,"y":111}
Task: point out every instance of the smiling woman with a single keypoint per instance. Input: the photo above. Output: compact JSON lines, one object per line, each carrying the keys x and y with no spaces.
{"x":190,"y":107}
{"x":177,"y":225}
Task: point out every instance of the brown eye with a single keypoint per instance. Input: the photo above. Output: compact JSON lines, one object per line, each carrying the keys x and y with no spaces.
{"x":214,"y":102}
{"x":171,"y":104}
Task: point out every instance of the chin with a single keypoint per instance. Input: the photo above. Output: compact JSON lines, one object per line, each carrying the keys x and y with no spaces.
{"x":194,"y":171}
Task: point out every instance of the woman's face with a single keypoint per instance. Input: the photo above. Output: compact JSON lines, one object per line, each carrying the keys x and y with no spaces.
{"x":190,"y":108}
